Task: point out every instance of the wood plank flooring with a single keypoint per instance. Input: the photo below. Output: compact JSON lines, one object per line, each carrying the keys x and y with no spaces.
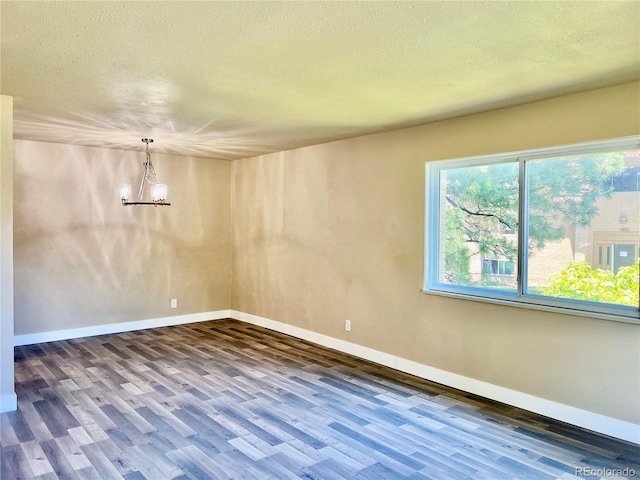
{"x":227,"y":400}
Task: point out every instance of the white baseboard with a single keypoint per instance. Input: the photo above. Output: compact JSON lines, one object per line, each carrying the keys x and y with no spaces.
{"x":57,"y":335}
{"x":8,"y":403}
{"x":582,"y":418}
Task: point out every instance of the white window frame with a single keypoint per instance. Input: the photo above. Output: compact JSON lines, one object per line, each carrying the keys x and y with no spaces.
{"x":519,"y":298}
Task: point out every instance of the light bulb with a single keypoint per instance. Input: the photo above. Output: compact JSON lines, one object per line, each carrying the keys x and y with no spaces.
{"x":159,"y":192}
{"x":125,"y":191}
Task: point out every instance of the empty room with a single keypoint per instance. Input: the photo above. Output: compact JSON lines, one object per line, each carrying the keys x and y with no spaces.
{"x":320,"y":240}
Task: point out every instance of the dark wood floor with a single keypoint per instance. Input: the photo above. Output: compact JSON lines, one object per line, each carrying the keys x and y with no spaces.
{"x":224,"y":399}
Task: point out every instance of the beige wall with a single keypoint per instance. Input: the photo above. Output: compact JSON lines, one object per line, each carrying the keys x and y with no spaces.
{"x":82,"y":259}
{"x":7,"y":392}
{"x":335,"y":231}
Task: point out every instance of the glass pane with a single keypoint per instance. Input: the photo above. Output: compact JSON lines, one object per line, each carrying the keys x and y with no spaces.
{"x":574,"y":210}
{"x":478,"y":221}
{"x":501,"y":266}
{"x":509,"y":268}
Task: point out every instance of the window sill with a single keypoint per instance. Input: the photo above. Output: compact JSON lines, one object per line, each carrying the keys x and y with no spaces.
{"x":534,"y":306}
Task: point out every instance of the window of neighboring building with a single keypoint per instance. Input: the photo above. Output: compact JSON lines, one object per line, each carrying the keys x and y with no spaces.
{"x":498,"y":267}
{"x":553,"y":228}
{"x":626,"y":181}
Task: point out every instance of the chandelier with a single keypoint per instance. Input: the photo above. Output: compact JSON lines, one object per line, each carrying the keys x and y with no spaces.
{"x":158,"y":190}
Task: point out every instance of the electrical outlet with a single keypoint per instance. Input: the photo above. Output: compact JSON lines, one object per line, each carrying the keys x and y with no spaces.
{"x":174,"y":303}
{"x":347,"y":325}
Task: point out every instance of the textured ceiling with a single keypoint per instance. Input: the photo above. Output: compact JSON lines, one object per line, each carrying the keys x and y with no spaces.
{"x":235,"y":79}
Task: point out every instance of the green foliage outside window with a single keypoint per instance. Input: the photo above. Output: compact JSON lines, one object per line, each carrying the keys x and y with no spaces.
{"x":578,"y":280}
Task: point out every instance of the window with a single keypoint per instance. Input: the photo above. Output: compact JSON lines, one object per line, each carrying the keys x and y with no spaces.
{"x":548,"y":228}
{"x":626,"y":181}
{"x":498,"y":267}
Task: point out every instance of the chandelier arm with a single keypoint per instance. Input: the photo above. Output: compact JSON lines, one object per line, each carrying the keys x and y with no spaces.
{"x":151,"y":204}
{"x":141,"y":189}
{"x":150,"y":172}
